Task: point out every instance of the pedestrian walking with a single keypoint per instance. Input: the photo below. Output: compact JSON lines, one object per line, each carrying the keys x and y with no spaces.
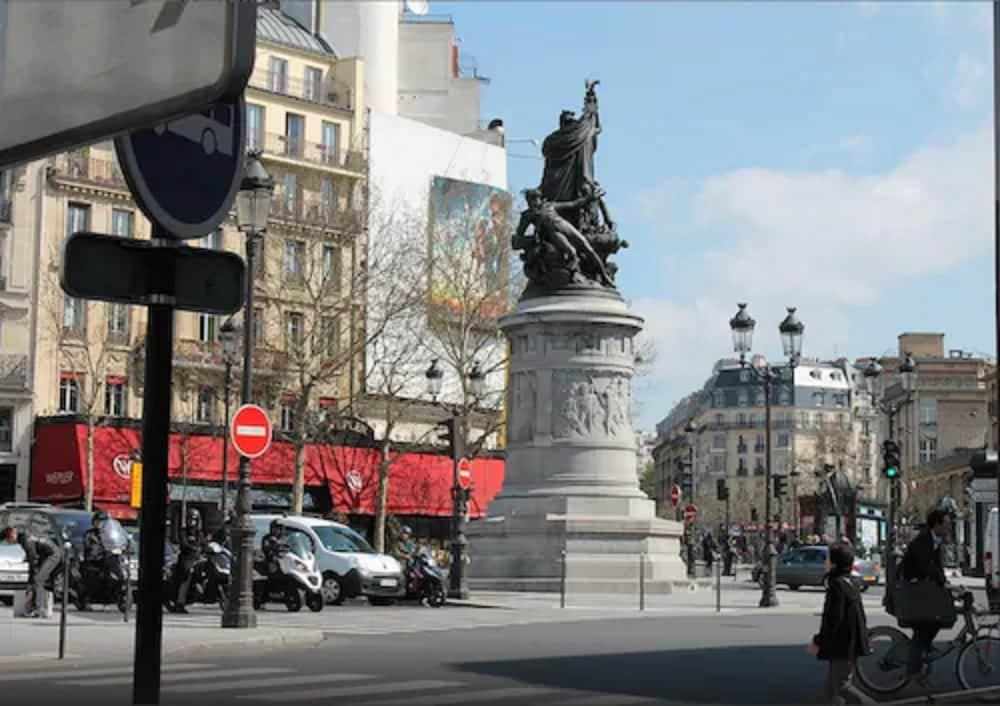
{"x":843,"y":632}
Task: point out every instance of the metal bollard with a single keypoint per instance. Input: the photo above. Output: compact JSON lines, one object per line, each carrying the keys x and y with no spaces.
{"x":718,"y":586}
{"x":642,"y":581}
{"x":66,"y":572}
{"x":128,"y":581}
{"x":562,"y":582}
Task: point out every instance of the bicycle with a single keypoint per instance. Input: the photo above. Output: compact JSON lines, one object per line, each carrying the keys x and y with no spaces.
{"x":883,"y":669}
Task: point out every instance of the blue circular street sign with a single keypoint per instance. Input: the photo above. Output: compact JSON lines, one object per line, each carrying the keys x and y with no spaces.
{"x":184,"y":174}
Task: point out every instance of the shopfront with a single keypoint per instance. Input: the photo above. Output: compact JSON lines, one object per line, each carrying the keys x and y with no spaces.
{"x":338,"y":479}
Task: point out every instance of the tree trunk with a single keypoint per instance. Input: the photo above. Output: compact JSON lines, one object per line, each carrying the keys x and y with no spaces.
{"x":298,"y":486}
{"x":382,"y":500}
{"x":88,"y":496}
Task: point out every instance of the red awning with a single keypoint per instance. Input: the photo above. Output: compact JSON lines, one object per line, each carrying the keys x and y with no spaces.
{"x":419,"y":483}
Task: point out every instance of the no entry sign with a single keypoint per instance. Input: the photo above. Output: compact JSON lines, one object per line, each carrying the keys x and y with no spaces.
{"x":464,"y":473}
{"x":251,"y":431}
{"x":690,"y":513}
{"x":675,"y":495}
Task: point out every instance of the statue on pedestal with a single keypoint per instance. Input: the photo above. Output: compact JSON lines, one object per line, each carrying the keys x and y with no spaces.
{"x":572,"y":234}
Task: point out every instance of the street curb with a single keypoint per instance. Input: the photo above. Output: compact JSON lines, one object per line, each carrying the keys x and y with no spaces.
{"x":304,"y":638}
{"x":474,"y":604}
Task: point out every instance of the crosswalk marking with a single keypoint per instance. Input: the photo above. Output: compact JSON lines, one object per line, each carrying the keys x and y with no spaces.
{"x":262,"y":683}
{"x":167,"y":678}
{"x":466,"y":697}
{"x":369,"y":689}
{"x":94,"y":672}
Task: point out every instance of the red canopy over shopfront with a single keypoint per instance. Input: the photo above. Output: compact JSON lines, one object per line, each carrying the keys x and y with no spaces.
{"x":419,"y":483}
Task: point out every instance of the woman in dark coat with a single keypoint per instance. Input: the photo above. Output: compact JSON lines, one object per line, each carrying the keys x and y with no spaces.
{"x":843,"y":633}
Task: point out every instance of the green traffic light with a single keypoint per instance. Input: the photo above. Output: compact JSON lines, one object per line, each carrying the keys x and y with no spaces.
{"x":891,"y":472}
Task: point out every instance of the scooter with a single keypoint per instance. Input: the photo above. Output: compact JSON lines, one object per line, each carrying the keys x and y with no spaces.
{"x":104,"y":579}
{"x":426,"y":580}
{"x":210,"y":578}
{"x":297,"y":576}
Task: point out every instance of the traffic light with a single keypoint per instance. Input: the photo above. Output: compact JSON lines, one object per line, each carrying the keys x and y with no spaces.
{"x":890,"y":460}
{"x":780,"y":486}
{"x":452,"y":437}
{"x":753,"y":514}
{"x":721,"y":489}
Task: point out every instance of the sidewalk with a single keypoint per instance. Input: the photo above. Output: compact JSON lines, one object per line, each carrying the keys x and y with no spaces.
{"x":87,"y":639}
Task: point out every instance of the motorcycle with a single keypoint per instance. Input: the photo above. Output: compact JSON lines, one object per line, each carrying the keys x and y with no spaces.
{"x":425,"y":581}
{"x":104,"y":579}
{"x":297,"y":576}
{"x":210,"y":576}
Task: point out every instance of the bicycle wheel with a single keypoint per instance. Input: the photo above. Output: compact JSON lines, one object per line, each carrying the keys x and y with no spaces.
{"x":978,"y":664}
{"x":883,"y":670}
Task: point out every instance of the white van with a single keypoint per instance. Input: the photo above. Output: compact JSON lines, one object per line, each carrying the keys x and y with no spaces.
{"x":991,"y":569}
{"x":349,"y":565}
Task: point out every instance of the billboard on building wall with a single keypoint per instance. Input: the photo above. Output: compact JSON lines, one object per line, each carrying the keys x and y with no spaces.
{"x":469,"y":229}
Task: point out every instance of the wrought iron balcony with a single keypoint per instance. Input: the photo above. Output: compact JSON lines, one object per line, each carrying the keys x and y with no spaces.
{"x":13,"y":371}
{"x":330,"y":92}
{"x":315,"y":212}
{"x":302,"y":150}
{"x":75,"y":166}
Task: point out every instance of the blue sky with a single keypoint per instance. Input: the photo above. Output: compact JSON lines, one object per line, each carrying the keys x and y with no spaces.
{"x":832,"y":156}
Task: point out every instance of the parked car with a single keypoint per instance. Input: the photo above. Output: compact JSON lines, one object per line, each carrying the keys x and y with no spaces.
{"x":348,"y":564}
{"x":13,"y":571}
{"x":48,"y":520}
{"x":806,"y":566}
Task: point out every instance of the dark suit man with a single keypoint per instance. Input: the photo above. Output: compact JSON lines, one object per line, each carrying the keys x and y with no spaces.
{"x":922,"y":562}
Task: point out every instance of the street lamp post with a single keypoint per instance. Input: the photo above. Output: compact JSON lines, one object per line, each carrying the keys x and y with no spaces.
{"x":791,"y":330}
{"x":456,"y":425}
{"x":253,"y":203}
{"x":230,"y":350}
{"x":908,"y":381}
{"x":690,"y":431}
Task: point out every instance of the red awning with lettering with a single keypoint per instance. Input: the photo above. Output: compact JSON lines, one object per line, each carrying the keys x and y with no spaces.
{"x":419,"y":483}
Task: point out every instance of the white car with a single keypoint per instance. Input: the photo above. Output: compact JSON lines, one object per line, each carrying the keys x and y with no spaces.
{"x":349,"y":565}
{"x":13,"y":571}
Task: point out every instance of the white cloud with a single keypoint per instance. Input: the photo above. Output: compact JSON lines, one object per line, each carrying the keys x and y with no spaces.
{"x":825,"y":241}
{"x":970,"y":82}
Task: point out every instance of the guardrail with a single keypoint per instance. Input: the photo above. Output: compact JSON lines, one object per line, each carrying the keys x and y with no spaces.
{"x":100,"y":172}
{"x":312,"y":152}
{"x":328,"y":92}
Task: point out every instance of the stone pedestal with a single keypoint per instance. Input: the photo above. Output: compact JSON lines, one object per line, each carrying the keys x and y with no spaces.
{"x":570,"y":482}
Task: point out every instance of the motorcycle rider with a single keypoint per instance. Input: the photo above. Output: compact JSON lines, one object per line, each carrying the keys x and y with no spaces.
{"x":44,"y":557}
{"x":405,"y":551}
{"x":273,"y":544}
{"x":93,"y":556}
{"x":192,"y":538}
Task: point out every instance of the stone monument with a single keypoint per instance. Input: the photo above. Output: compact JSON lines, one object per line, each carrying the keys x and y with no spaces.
{"x":571,"y":483}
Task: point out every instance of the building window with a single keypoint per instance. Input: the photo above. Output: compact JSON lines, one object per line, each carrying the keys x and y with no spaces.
{"x":69,"y":394}
{"x":314,"y":84}
{"x":840,"y":400}
{"x":255,"y":127}
{"x":114,"y":397}
{"x":6,"y":429}
{"x":277,"y":75}
{"x":288,"y":415}
{"x":294,"y":132}
{"x":208,"y":328}
{"x":741,"y":419}
{"x":720,"y":419}
{"x":77,"y":218}
{"x":74,"y":315}
{"x":820,"y":420}
{"x":758,"y":397}
{"x":331,"y":336}
{"x":928,"y":450}
{"x":741,"y":445}
{"x":290,"y":188}
{"x":819,"y":398}
{"x":784,"y":397}
{"x":122,"y":223}
{"x":743,"y":399}
{"x":758,"y":468}
{"x":295,"y":260}
{"x":741,"y":468}
{"x":718,"y":398}
{"x":718,"y":442}
{"x":759,"y":445}
{"x":205,"y":410}
{"x":328,"y":196}
{"x":294,"y":330}
{"x":258,"y":326}
{"x":744,"y":375}
{"x":331,"y":142}
{"x":804,"y":420}
{"x":784,"y":440}
{"x":118,"y":322}
{"x":928,"y":412}
{"x":331,"y":268}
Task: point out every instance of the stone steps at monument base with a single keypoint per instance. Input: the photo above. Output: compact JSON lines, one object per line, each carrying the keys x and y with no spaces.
{"x":585,"y":567}
{"x":606,"y":586}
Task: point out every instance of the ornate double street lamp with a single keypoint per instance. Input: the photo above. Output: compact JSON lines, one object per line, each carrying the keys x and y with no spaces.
{"x":691,"y":432}
{"x":455,"y":429}
{"x":229,"y":337}
{"x":891,"y":461}
{"x":253,"y":204}
{"x":791,"y":330}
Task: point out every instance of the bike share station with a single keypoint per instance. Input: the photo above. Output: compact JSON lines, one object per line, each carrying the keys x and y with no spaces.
{"x":180,"y":142}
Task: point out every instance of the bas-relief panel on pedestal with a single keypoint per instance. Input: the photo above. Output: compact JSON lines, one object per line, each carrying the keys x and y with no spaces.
{"x":591,"y":405}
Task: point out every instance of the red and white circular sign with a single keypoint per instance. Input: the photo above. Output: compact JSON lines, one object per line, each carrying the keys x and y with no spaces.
{"x":675,"y":495}
{"x":464,"y":473}
{"x":250,"y":431}
{"x":691,"y":513}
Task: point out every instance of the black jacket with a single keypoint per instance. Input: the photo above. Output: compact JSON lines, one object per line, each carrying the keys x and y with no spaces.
{"x":922,"y":560}
{"x":37,"y":549}
{"x":843,"y":632}
{"x":272,"y":546}
{"x":93,"y":546}
{"x":192,"y":540}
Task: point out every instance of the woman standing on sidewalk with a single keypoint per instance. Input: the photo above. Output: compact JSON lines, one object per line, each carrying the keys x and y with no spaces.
{"x":843,"y":633}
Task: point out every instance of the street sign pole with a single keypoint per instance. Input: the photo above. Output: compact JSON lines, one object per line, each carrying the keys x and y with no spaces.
{"x":153,"y":525}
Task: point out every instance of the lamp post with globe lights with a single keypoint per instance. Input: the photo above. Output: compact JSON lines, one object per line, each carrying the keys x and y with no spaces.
{"x":455,"y":427}
{"x":253,"y":205}
{"x":229,"y":338}
{"x":690,"y":433}
{"x":791,"y":330}
{"x":908,"y":382}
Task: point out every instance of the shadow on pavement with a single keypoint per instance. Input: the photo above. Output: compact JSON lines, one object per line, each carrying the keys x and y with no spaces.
{"x":771,"y":674}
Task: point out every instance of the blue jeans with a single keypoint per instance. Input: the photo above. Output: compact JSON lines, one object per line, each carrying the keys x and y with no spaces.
{"x":920,"y":645}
